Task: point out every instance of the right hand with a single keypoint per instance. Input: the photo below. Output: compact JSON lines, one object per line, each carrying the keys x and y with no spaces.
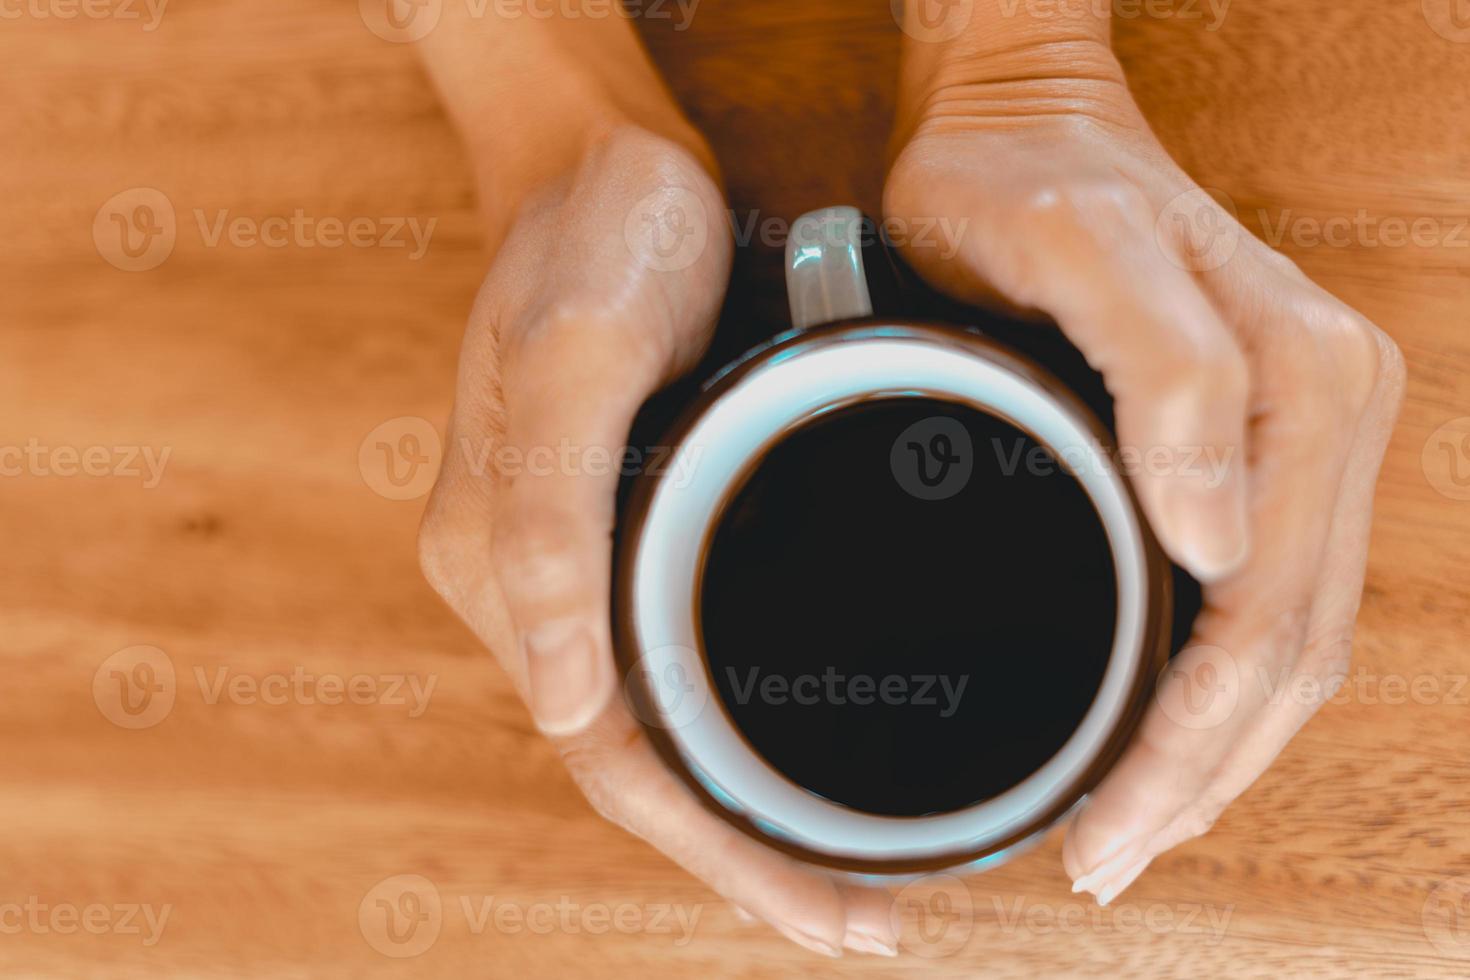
{"x":580,"y":319}
{"x":1256,"y":408}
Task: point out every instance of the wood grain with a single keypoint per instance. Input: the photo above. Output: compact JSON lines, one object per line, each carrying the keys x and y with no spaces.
{"x":262,"y":550}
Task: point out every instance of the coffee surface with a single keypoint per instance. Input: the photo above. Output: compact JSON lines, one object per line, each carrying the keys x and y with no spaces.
{"x":907,"y":606}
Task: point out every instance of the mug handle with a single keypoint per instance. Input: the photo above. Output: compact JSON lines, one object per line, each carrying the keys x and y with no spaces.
{"x":825,"y":277}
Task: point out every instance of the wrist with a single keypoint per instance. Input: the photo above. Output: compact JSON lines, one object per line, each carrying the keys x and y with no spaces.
{"x":533,"y":97}
{"x":525,"y":155}
{"x":1013,"y":58}
{"x":940,"y":33}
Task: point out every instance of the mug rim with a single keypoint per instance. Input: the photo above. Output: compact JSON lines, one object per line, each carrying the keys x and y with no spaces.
{"x":1057,"y":798}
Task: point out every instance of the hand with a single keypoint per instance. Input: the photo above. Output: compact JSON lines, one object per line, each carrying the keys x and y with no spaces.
{"x":1068,"y":205}
{"x":580,"y":318}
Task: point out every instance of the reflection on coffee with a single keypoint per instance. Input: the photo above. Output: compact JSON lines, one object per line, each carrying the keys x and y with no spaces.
{"x":897,"y":616}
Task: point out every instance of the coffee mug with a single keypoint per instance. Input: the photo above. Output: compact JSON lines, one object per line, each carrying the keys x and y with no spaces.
{"x":890,"y":606}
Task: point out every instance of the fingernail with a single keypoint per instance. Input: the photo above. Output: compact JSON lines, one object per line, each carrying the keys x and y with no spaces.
{"x":1115,"y":888}
{"x":564,"y":671}
{"x":864,"y":942}
{"x":1209,"y":527}
{"x":1117,"y":845}
{"x":810,"y":942}
{"x":1107,"y":868}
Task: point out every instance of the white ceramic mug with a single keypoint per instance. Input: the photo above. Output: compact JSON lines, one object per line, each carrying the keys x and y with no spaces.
{"x":838,"y":353}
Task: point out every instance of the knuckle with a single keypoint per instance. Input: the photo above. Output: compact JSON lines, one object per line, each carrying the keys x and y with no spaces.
{"x":1080,"y":202}
{"x":1354,"y":355}
{"x":606,"y":807}
{"x":579,"y":327}
{"x":596,"y":760}
{"x":1211,"y":368}
{"x":1280,"y":263}
{"x":1286,"y":632}
{"x":567,"y":321}
{"x":1335,"y":367}
{"x":538,"y":560}
{"x":1197,"y":821}
{"x":1356,"y":352}
{"x":1223,"y":372}
{"x":604,"y":801}
{"x":1330,"y":654}
{"x":430,"y":551}
{"x":1392,"y":369}
{"x":435,"y":543}
{"x":1277,"y":634}
{"x":453,"y":538}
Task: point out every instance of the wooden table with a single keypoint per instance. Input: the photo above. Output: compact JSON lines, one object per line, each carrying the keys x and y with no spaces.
{"x":263,"y":568}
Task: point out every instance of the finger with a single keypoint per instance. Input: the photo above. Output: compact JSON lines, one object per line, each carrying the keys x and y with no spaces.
{"x":559,"y":356}
{"x":1177,"y":376}
{"x":1328,"y":646}
{"x":869,"y":920}
{"x":1087,"y":255}
{"x":1176,"y":778}
{"x":625,"y":780}
{"x":570,"y":393}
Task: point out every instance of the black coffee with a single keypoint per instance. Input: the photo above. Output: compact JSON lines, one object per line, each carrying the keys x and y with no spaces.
{"x":907,"y":606}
